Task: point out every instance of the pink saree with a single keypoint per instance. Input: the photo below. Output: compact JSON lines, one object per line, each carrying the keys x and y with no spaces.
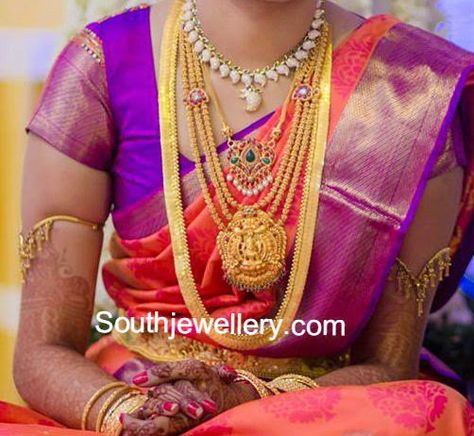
{"x":395,"y":92}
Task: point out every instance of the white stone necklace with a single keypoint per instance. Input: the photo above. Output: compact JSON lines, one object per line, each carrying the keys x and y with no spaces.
{"x":253,"y":81}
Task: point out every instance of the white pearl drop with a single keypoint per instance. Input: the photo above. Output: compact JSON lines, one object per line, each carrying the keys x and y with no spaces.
{"x":229,"y":177}
{"x":283,"y":70}
{"x":308,"y":45}
{"x":224,"y":70}
{"x":215,"y":63}
{"x":316,"y":24}
{"x":319,"y":13}
{"x":301,"y":55}
{"x":272,"y":75}
{"x":198,"y":46}
{"x":234,"y":76}
{"x":187,"y":15}
{"x":206,"y":55}
{"x":260,"y":79}
{"x":193,"y":36}
{"x":246,"y":79}
{"x":236,"y":183}
{"x":188,"y":26}
{"x":255,"y":191}
{"x":292,"y":62}
{"x":313,"y":34}
{"x":265,"y":183}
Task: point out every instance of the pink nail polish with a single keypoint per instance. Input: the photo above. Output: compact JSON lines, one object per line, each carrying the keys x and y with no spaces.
{"x":209,"y":406}
{"x":229,"y":370}
{"x":122,"y":417}
{"x":141,"y":378}
{"x":170,"y":407}
{"x":195,"y":410}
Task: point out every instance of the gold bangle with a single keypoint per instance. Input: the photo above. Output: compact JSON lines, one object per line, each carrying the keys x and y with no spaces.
{"x":259,"y":385}
{"x":90,"y":403}
{"x":292,"y":382}
{"x":128,"y":403}
{"x":108,"y":403}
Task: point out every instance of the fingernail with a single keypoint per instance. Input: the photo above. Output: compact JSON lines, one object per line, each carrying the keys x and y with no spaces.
{"x":229,"y":370}
{"x":154,"y":415}
{"x":170,"y":407}
{"x":122,"y":417}
{"x":209,"y":406}
{"x":195,"y":410}
{"x":141,"y":378}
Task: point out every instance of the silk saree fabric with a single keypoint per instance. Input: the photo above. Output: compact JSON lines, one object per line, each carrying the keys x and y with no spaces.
{"x":390,"y":81}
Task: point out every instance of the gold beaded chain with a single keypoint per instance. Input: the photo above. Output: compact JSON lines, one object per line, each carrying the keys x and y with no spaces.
{"x":200,"y":116}
{"x":244,"y":266}
{"x":317,"y":123}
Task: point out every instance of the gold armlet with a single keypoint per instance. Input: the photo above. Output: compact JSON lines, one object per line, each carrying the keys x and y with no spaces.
{"x":127,"y":403}
{"x":94,"y":399}
{"x":33,"y":242}
{"x":435,"y":270}
{"x":292,"y":382}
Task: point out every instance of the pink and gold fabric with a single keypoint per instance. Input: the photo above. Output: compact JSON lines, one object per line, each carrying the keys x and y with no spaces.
{"x":398,"y":94}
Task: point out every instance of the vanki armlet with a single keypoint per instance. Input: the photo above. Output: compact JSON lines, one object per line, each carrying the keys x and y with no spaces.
{"x":33,"y":242}
{"x":432,"y":274}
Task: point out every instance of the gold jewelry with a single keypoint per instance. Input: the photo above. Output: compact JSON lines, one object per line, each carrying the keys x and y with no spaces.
{"x":253,"y":244}
{"x":292,"y":382}
{"x":173,"y":196}
{"x":434,"y":272}
{"x":254,"y":81}
{"x":115,"y":396}
{"x":90,"y":403}
{"x":259,"y":385}
{"x":33,"y":242}
{"x":157,"y":348}
{"x":128,"y":403}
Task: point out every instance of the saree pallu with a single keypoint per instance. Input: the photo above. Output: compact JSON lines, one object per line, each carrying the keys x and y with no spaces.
{"x":395,"y":93}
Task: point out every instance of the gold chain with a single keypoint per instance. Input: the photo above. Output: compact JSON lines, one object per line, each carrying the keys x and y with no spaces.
{"x":173,"y":195}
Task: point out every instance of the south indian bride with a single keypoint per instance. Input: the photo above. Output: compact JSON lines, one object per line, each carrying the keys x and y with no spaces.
{"x":272,"y":160}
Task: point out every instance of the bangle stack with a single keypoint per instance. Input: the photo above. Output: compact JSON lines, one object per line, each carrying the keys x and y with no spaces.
{"x":124,"y":399}
{"x":284,"y":383}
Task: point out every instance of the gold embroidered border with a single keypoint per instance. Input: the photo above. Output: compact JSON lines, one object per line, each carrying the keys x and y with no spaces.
{"x":91,"y":43}
{"x":158,"y":348}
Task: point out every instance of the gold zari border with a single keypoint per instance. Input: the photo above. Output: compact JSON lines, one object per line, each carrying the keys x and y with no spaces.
{"x":174,"y":204}
{"x":158,"y":348}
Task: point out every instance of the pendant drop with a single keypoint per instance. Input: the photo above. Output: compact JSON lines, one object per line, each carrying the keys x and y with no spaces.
{"x":253,"y":98}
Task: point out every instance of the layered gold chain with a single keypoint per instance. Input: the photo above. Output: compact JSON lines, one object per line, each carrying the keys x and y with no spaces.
{"x":312,"y":118}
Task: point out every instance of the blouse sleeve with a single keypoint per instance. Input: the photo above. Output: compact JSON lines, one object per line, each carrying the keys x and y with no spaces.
{"x":74,"y":114}
{"x":453,"y":154}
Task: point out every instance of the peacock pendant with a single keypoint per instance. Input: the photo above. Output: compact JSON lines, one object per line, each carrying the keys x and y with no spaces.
{"x":250,"y":165}
{"x":253,"y":250}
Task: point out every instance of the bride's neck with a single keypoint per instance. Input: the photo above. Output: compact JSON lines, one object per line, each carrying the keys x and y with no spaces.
{"x":253,"y":33}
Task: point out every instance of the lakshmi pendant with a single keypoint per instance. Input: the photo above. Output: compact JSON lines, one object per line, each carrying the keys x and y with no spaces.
{"x":250,"y":166}
{"x":253,"y":250}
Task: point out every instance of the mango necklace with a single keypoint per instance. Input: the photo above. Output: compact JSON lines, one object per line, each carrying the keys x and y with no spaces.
{"x":253,"y":242}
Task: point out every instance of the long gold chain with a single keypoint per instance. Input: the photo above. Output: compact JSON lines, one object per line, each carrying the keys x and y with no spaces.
{"x":174,"y":205}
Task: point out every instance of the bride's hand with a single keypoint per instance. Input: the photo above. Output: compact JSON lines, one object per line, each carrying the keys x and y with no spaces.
{"x":184,"y":394}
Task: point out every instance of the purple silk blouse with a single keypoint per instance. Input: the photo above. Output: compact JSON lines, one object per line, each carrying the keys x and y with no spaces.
{"x":101,"y":109}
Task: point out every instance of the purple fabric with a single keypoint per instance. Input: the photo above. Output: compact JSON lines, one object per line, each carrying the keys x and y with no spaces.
{"x":127,"y":45}
{"x":377,"y":164}
{"x":377,"y":167}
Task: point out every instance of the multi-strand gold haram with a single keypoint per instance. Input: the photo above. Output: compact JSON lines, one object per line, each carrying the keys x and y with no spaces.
{"x":253,"y":243}
{"x":315,"y":140}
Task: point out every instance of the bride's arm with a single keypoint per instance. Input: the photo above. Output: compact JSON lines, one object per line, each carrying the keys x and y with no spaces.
{"x":51,"y":372}
{"x":389,"y":347}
